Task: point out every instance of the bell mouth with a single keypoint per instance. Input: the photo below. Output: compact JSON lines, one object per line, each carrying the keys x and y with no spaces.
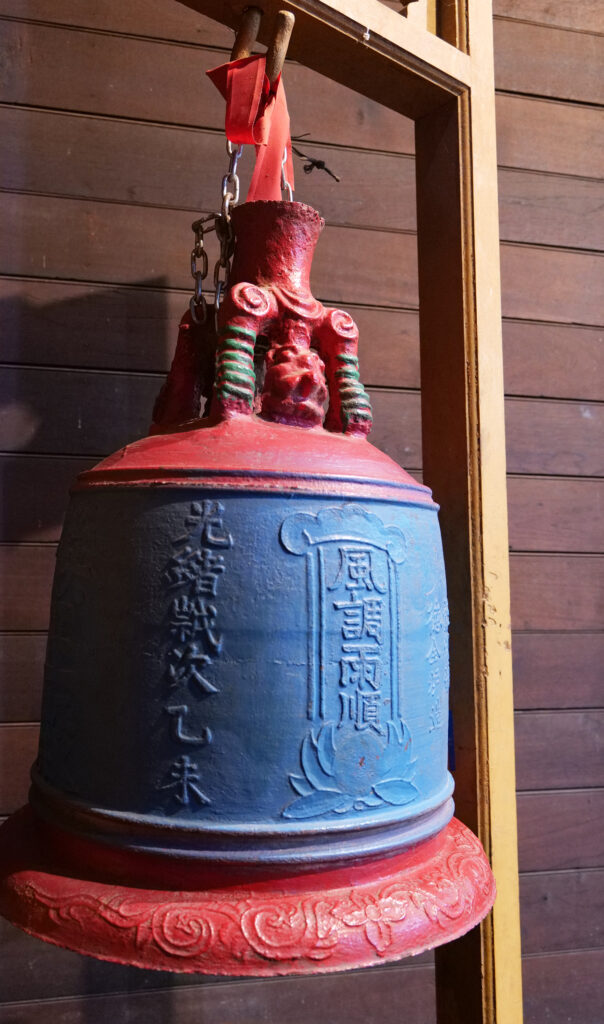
{"x":333,"y":920}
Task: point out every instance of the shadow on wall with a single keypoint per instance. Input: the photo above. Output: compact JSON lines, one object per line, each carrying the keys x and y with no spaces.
{"x":81,"y":368}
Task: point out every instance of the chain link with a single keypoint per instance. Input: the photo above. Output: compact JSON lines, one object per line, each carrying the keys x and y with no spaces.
{"x":221,"y":223}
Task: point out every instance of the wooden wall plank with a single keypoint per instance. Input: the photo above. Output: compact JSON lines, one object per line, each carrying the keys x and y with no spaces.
{"x":92,"y":158}
{"x":26,"y":572}
{"x":561,"y":829}
{"x":557,"y":592}
{"x":112,"y":243}
{"x":550,"y":209}
{"x":558,"y":670}
{"x":51,"y":411}
{"x":552,"y":284}
{"x":172,"y":21}
{"x":128,"y":328}
{"x":63,"y":71}
{"x":546,"y":61}
{"x":349,"y":998}
{"x":21,"y":671}
{"x":583,"y":17}
{"x":108,"y":243}
{"x":556,"y":514}
{"x":566,"y":988}
{"x":558,"y":360}
{"x":31,"y":969}
{"x":544,"y":135}
{"x":18,"y":750}
{"x":554,"y":437}
{"x":562,"y":910}
{"x":559,"y":749}
{"x":35,"y":495}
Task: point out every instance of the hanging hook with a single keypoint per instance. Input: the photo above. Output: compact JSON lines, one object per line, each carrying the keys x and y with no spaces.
{"x":247,"y":33}
{"x":277,"y":51}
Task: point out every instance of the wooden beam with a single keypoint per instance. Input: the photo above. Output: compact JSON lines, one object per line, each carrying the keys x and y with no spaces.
{"x":364,"y":45}
{"x":478,"y":977}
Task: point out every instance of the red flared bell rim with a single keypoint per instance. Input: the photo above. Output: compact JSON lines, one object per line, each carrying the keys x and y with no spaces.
{"x":357,"y":916}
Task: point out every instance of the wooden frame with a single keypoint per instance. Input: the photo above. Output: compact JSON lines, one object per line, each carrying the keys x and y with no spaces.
{"x":447,"y":86}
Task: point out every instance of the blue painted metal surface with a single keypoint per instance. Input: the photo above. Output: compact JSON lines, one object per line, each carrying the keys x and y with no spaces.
{"x":248,"y":676}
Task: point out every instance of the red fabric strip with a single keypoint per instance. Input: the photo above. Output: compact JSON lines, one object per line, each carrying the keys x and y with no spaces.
{"x":257,"y":115}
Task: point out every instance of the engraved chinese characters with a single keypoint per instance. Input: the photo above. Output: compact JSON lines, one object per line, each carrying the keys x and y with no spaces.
{"x":358,"y":754}
{"x":194,"y":639}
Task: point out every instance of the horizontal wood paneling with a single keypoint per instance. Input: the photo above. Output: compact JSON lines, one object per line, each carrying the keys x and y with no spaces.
{"x":53,"y":411}
{"x":561,"y":910}
{"x":552,"y":284}
{"x":92,"y":158}
{"x":102,"y":242}
{"x":557,"y":592}
{"x":177,"y":22}
{"x":341,"y":998}
{"x":554,"y":437}
{"x":556,"y":514}
{"x":559,"y":749}
{"x":64,"y":72}
{"x":579,"y":17}
{"x":558,"y":670}
{"x":35,"y":495}
{"x":25,"y":583}
{"x":544,"y":135}
{"x":18,"y":749}
{"x":552,"y":360}
{"x":561,"y":829}
{"x":566,"y":988}
{"x":171,"y":20}
{"x":546,"y":61}
{"x":30,"y":969}
{"x":550,"y":209}
{"x":21,"y":671}
{"x":79,"y":325}
{"x":130,"y":328}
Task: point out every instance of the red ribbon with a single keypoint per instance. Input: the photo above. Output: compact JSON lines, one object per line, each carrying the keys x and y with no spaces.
{"x":257,"y":113}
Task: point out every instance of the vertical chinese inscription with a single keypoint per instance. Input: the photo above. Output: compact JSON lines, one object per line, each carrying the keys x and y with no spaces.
{"x":357,"y":752}
{"x":360,"y":616}
{"x":438,"y":659}
{"x":192,"y":578}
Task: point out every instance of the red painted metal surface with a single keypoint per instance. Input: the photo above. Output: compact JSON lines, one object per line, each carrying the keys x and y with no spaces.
{"x":357,"y":916}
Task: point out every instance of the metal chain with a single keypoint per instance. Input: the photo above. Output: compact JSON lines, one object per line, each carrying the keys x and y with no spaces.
{"x":221,"y":223}
{"x":198,"y":305}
